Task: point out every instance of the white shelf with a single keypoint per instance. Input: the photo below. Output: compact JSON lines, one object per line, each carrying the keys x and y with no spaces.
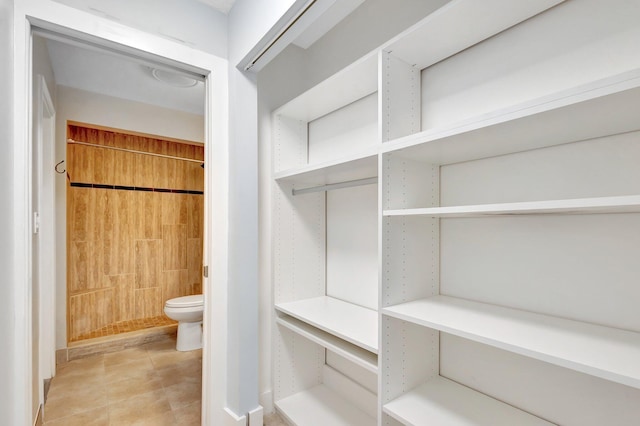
{"x":605,"y":352}
{"x":320,"y":406}
{"x":353,"y":323}
{"x":352,"y":83}
{"x":357,"y":355}
{"x":601,"y":108}
{"x":360,"y":165}
{"x":446,"y":403}
{"x":621,"y":204}
{"x":415,"y":46}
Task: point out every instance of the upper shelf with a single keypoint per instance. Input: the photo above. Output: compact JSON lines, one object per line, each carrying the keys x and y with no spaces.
{"x":360,"y":165}
{"x":350,"y":84}
{"x":605,"y":352}
{"x":621,"y":204}
{"x":601,"y":108}
{"x":416,"y":45}
{"x":353,"y":323}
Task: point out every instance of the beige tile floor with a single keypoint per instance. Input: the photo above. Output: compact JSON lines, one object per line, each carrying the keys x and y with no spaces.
{"x":151,"y":384}
{"x":274,"y":419}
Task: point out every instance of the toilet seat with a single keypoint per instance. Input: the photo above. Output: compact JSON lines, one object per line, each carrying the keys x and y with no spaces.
{"x":192,"y":301}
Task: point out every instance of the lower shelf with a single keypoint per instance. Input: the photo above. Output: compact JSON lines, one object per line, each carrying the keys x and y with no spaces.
{"x":443,"y":402}
{"x":320,"y":406}
{"x":605,"y":352}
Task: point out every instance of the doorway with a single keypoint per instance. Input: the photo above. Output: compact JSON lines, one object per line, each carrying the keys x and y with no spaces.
{"x":145,"y":48}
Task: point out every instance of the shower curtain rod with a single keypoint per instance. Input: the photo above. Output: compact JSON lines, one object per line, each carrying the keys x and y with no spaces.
{"x":71,"y":141}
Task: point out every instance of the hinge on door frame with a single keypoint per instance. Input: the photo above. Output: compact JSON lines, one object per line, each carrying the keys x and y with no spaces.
{"x":205,"y":271}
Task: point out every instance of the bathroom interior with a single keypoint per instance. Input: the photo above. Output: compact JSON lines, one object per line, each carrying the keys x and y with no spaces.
{"x":134,"y":230}
{"x":129,"y":196}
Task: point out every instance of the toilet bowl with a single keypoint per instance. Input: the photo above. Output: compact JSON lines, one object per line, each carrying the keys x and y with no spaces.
{"x":187,"y":310}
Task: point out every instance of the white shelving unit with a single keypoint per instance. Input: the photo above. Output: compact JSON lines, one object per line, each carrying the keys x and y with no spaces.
{"x":506,"y":240}
{"x":326,"y":334}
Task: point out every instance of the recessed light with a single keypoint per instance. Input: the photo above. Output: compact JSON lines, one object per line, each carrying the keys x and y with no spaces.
{"x":173,"y":78}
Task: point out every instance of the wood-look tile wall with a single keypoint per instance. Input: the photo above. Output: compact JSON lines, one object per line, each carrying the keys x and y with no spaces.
{"x":129,"y":251}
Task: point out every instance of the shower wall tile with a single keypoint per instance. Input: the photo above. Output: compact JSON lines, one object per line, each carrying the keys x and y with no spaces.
{"x":90,"y":311}
{"x":143,"y":165}
{"x":105,"y":158}
{"x":130,"y":251}
{"x":175,"y":284}
{"x":194,"y":261}
{"x":78,"y":214}
{"x":148,"y":259}
{"x":119,"y":220}
{"x":195,"y":218}
{"x":174,"y":247}
{"x":124,"y":167}
{"x":85,"y":266}
{"x":148,"y":302}
{"x":149,"y":220}
{"x":124,"y":303}
{"x":175,"y":208}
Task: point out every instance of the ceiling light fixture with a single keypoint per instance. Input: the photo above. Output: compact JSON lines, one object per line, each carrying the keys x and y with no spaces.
{"x":173,"y":78}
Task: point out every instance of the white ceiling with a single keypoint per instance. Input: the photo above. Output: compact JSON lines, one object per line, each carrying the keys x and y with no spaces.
{"x":223,"y":6}
{"x":114,"y":75}
{"x":94,"y":70}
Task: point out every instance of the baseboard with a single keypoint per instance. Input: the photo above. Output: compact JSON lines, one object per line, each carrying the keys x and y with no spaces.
{"x":256,"y":417}
{"x":232,"y":420}
{"x":266,"y":401}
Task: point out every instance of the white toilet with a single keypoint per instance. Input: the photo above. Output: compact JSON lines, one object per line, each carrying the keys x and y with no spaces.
{"x":187,"y":310}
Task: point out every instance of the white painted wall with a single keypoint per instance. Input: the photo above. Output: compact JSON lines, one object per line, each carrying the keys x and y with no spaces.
{"x":250,"y":20}
{"x":189,"y":22}
{"x":42,"y":65}
{"x":7,"y":315}
{"x":242,"y":348}
{"x":87,"y":107}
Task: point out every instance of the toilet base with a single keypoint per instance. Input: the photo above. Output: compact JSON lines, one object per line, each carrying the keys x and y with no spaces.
{"x":189,"y":336}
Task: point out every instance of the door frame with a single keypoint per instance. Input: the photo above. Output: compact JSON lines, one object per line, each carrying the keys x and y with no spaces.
{"x":45,"y":122}
{"x":65,"y":21}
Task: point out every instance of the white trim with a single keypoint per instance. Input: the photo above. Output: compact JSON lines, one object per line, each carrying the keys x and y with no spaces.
{"x":47,"y":266}
{"x":256,"y":417}
{"x":266,"y":401}
{"x":231,"y":419}
{"x":21,"y":205}
{"x":72,"y":22}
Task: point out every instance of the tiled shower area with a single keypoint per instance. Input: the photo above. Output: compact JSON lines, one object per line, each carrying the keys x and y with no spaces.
{"x":134,"y":229}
